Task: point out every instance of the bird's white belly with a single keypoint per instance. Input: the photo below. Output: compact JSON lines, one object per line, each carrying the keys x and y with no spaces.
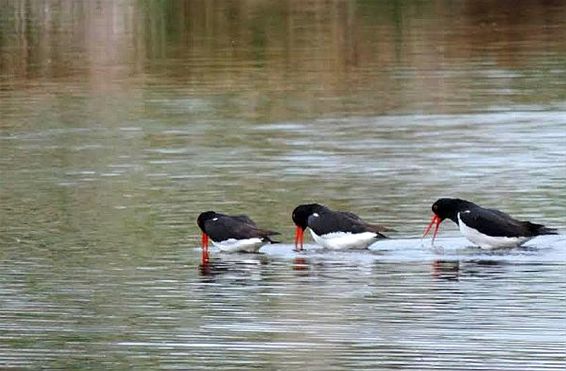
{"x":343,"y":240}
{"x":488,"y":242}
{"x":233,"y":245}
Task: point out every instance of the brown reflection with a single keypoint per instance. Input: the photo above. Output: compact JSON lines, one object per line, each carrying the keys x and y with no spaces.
{"x":65,"y":39}
{"x":511,"y":30}
{"x":278,"y":58}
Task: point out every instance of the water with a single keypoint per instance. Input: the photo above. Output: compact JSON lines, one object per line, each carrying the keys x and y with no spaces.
{"x":121,"y":121}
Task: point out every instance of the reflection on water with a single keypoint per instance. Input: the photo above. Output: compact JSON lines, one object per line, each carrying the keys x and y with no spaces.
{"x":121,"y":121}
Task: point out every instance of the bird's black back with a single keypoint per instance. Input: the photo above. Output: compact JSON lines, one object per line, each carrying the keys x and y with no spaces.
{"x":496,"y":223}
{"x":239,"y":227}
{"x":329,"y":221}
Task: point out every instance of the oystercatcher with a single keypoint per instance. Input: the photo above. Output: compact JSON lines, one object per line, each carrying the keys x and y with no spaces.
{"x":334,"y":229}
{"x":487,"y":228}
{"x":232,"y":233}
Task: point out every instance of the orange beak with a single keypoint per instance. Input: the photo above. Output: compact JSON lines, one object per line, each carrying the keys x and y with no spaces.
{"x":436,"y":221}
{"x":204,"y":243}
{"x":299,"y":237}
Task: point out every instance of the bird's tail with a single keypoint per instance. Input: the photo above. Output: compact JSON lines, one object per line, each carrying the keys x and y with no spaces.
{"x":539,"y":229}
{"x":270,"y":240}
{"x":381,"y":235}
{"x":378,"y":228}
{"x":267,"y":234}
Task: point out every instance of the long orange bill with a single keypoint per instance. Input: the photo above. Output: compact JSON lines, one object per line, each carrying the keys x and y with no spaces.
{"x":299,"y":238}
{"x":204,"y":243}
{"x":435,"y":221}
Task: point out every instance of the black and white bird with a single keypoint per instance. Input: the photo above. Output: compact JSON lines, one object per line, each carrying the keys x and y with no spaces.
{"x":334,"y":229}
{"x":487,"y":228}
{"x":236,"y":233}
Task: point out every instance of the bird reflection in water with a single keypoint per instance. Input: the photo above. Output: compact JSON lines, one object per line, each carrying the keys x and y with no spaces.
{"x":455,"y":269}
{"x":446,"y":269}
{"x":238,"y":264}
{"x":301,"y":264}
{"x":211,"y":267}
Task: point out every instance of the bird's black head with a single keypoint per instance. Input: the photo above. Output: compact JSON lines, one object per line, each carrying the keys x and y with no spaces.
{"x":203,"y":217}
{"x":448,"y":208}
{"x":302,"y":212}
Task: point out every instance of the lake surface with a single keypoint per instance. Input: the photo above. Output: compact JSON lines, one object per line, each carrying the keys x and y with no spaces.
{"x":121,"y":121}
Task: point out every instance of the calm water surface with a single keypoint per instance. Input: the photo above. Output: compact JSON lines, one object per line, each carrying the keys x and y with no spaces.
{"x":121,"y":121}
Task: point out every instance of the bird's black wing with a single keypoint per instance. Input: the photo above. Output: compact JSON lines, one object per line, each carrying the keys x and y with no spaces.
{"x":326,"y":222}
{"x":371,"y":226}
{"x":246,"y":219}
{"x":495,"y":223}
{"x":223,"y":228}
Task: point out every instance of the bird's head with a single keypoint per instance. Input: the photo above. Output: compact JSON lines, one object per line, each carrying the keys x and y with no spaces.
{"x":300,"y":217}
{"x":445,"y":208}
{"x":203,"y":217}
